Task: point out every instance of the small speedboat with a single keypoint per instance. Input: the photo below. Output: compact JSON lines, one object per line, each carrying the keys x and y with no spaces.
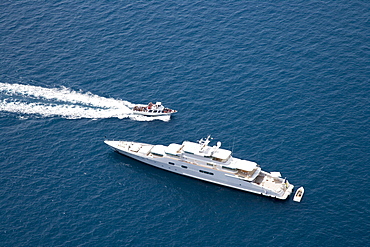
{"x":298,"y":194}
{"x":152,"y":110}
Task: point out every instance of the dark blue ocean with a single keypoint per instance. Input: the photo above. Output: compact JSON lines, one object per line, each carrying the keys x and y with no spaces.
{"x":283,"y":83}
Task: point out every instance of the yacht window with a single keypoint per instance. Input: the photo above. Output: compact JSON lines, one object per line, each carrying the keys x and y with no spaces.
{"x":210,"y":173}
{"x":172,"y":154}
{"x":229,"y":168}
{"x":184,"y":167}
{"x":157,"y":154}
{"x":218,"y":159}
{"x":171,"y":163}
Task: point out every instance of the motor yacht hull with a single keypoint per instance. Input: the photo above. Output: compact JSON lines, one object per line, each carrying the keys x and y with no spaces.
{"x":186,"y":166}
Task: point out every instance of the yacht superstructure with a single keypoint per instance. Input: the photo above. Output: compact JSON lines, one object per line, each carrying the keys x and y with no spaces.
{"x":209,"y":163}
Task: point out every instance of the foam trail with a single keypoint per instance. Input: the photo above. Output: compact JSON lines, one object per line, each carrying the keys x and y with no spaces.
{"x":64,"y":102}
{"x":61,"y":94}
{"x":64,"y":110}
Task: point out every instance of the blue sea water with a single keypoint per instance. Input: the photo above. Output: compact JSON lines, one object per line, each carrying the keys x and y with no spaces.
{"x":282,"y":83}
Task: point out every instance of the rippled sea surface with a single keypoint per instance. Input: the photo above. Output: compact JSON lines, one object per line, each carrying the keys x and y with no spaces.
{"x":282,"y":83}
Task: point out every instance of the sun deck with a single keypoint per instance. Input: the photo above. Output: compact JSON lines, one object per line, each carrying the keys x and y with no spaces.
{"x":270,"y":182}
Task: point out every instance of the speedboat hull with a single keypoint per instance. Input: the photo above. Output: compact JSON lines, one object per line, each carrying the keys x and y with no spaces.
{"x":152,"y":114}
{"x":152,"y":110}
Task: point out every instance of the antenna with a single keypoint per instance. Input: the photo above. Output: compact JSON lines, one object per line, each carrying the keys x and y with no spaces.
{"x":232,"y":149}
{"x":205,"y":142}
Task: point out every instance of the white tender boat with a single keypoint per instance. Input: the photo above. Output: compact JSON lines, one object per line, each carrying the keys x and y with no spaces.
{"x":152,"y":110}
{"x":298,"y":194}
{"x":211,"y":164}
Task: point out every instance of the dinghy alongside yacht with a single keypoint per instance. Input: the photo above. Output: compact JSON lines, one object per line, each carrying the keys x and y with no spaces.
{"x":298,"y":194}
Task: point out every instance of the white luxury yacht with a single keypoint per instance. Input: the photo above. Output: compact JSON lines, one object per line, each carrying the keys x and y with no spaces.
{"x":211,"y":164}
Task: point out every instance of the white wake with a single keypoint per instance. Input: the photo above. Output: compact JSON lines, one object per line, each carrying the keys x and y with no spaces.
{"x":64,"y":102}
